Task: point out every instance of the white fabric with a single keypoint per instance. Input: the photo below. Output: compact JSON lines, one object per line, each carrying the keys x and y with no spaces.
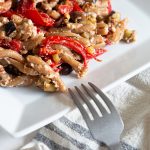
{"x":132,"y":99}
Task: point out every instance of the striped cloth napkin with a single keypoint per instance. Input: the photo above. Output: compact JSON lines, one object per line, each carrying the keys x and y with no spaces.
{"x":132,"y":99}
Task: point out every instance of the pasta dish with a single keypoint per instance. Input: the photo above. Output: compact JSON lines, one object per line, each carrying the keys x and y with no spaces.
{"x":40,"y":40}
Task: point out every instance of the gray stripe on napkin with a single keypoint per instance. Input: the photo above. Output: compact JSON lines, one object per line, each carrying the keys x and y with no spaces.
{"x":51,"y":144}
{"x":54,"y":146}
{"x":78,"y":128}
{"x":82,"y":146}
{"x":125,"y":146}
{"x":86,"y":133}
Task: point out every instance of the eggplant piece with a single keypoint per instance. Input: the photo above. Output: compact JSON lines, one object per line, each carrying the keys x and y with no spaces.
{"x":66,"y":69}
{"x":9,"y":28}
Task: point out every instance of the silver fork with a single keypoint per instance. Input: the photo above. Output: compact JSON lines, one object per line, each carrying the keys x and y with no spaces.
{"x":106,"y":128}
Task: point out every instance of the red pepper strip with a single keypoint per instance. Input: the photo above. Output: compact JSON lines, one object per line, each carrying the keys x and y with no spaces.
{"x":52,"y":64}
{"x":25,"y":4}
{"x":71,"y":5}
{"x":69,"y":42}
{"x":65,"y":9}
{"x":76,"y":6}
{"x":97,"y":53}
{"x":45,"y":51}
{"x":8,"y":14}
{"x":57,"y":69}
{"x":29,"y":10}
{"x":14,"y":44}
{"x":109,"y":7}
{"x":40,"y":19}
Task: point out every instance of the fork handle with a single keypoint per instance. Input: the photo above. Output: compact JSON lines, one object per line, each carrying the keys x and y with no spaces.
{"x":115,"y":146}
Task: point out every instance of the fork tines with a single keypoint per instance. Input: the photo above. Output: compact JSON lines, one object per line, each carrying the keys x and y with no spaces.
{"x":86,"y":96}
{"x":105,"y":126}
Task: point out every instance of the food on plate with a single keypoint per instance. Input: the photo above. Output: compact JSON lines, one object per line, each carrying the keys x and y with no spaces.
{"x":40,"y":40}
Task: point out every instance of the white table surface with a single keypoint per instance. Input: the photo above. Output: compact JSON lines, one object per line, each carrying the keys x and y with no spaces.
{"x":7,"y":142}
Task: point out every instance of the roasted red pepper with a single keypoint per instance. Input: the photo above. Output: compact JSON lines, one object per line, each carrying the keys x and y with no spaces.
{"x":69,"y":6}
{"x":28,"y":10}
{"x":26,"y":4}
{"x":68,"y":42}
{"x":40,"y":19}
{"x":76,"y":6}
{"x":9,"y":13}
{"x":74,"y":45}
{"x":98,"y":52}
{"x":46,"y":51}
{"x":109,"y":7}
{"x":65,"y":9}
{"x":14,"y":44}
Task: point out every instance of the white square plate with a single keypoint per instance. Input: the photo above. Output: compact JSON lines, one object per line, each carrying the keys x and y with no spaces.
{"x":23,"y":110}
